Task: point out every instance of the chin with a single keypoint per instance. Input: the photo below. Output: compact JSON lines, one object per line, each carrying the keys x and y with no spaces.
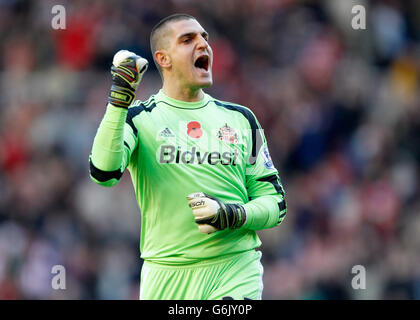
{"x":201,"y":78}
{"x":201,"y":85}
{"x":207,"y":84}
{"x":204,"y":83}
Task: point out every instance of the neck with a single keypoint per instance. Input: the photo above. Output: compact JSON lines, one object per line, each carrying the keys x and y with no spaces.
{"x":183,"y":94}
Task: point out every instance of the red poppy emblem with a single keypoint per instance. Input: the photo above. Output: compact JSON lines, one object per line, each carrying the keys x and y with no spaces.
{"x":194,"y":129}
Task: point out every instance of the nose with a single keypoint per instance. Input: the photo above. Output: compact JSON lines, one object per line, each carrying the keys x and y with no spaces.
{"x":202,"y":43}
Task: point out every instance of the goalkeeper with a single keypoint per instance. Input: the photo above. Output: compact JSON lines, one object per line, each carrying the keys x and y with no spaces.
{"x":202,"y":174}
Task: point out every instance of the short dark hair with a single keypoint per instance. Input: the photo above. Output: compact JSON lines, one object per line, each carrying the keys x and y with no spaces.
{"x":156,"y":35}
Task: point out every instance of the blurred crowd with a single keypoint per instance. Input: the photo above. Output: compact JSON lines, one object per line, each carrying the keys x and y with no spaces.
{"x":340,"y":109}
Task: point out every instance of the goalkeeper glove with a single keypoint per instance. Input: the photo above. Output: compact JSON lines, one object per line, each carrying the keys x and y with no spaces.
{"x":127,"y":71}
{"x":212,"y":215}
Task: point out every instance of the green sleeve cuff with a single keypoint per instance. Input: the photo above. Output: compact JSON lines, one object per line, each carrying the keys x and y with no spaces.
{"x":262,"y":213}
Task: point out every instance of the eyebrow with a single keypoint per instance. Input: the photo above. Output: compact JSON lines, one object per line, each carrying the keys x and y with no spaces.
{"x":191,"y":34}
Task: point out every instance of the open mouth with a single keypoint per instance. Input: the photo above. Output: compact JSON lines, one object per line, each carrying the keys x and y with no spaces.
{"x":202,"y":62}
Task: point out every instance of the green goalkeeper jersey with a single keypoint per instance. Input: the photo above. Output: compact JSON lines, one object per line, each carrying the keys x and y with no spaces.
{"x":172,"y":149}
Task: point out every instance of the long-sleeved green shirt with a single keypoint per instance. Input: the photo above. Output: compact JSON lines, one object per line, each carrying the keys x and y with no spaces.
{"x":173,"y":148}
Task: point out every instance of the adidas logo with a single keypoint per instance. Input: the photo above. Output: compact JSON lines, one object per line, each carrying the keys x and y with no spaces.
{"x":166,"y":133}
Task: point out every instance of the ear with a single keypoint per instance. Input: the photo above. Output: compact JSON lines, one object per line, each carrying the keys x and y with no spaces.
{"x":163,"y":59}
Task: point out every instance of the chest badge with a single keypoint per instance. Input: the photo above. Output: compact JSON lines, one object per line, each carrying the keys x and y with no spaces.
{"x":228,"y":135}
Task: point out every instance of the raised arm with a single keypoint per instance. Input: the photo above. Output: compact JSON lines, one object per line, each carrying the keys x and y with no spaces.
{"x":115,"y":140}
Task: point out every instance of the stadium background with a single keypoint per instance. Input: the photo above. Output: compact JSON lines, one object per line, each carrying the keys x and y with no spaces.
{"x":340,"y":108}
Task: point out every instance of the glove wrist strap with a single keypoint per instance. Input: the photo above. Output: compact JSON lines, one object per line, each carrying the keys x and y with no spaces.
{"x":120,"y":96}
{"x":236,"y":215}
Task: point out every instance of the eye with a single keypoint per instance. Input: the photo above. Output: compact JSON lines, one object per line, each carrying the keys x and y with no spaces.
{"x":186,"y":40}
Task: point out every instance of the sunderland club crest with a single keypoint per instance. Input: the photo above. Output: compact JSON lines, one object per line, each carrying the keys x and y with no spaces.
{"x":227,"y":134}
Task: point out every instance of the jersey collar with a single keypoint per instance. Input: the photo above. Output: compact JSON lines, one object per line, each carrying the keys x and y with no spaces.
{"x":161,"y":97}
